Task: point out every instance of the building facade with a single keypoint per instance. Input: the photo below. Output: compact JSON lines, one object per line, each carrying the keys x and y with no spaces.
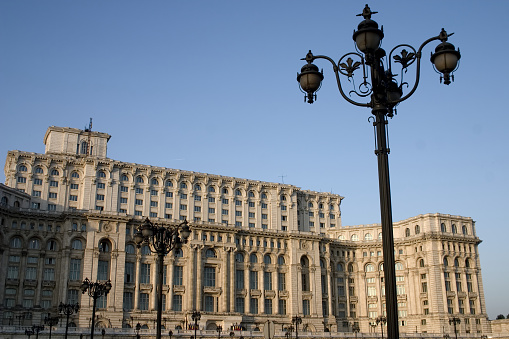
{"x":258,"y":251}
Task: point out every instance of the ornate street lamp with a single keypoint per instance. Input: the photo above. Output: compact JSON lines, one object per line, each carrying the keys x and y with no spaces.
{"x":29,"y":332}
{"x":68,"y":309}
{"x":454,"y":321}
{"x":95,"y":290}
{"x":138,"y":328}
{"x":355,"y":329}
{"x":37,"y":329}
{"x":296,"y":320}
{"x":381,"y":320}
{"x":50,"y":321}
{"x":289,"y":330}
{"x":162,"y":240}
{"x":170,"y":333}
{"x":219,"y":329}
{"x":381,"y":86}
{"x":195,"y":316}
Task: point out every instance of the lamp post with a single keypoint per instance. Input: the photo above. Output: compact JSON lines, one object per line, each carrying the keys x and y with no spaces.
{"x":37,"y":329}
{"x":170,"y":333}
{"x":219,"y":329}
{"x":454,"y":321}
{"x":297,"y":320}
{"x":384,"y":93}
{"x":138,"y":328}
{"x":50,"y":321}
{"x":289,"y":330}
{"x":29,"y":332}
{"x":355,"y":329}
{"x":68,"y":309}
{"x":196,"y":317}
{"x":95,"y":290}
{"x":381,"y":320}
{"x":162,"y":240}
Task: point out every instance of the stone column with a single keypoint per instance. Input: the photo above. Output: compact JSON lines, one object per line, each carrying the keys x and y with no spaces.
{"x":231,"y":290}
{"x":199,"y":278}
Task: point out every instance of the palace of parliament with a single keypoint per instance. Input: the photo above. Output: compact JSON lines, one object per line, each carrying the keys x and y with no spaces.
{"x":258,"y":250}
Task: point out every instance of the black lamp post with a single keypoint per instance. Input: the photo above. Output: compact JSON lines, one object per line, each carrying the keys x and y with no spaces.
{"x":381,"y":320}
{"x":170,"y":333}
{"x":29,"y":332}
{"x":297,"y":320}
{"x":138,"y":328}
{"x":195,"y":316}
{"x":355,"y":329}
{"x":37,"y":329}
{"x":162,"y":240}
{"x":289,"y":330}
{"x":95,"y":290}
{"x":219,"y":329}
{"x":50,"y":321}
{"x":454,"y":321}
{"x":384,"y":93}
{"x":68,"y":309}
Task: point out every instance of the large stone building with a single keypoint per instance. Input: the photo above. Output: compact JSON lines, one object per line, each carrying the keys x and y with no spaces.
{"x":257,"y":251}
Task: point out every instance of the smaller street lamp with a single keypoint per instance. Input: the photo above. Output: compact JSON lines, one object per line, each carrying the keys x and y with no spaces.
{"x":232,"y":334}
{"x":297,"y":320}
{"x":381,"y":320}
{"x":138,"y":328}
{"x":170,"y":333}
{"x":195,"y":316}
{"x":29,"y":332}
{"x":37,"y":329}
{"x":219,"y":329}
{"x":454,"y":321}
{"x":355,"y":329}
{"x":68,"y":309}
{"x":50,"y":321}
{"x":95,"y":290}
{"x":289,"y":330}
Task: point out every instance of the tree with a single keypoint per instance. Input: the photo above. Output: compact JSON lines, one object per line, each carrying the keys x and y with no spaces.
{"x":500,"y":316}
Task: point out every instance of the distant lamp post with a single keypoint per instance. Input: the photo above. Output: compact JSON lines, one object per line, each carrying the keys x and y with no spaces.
{"x":289,"y":330}
{"x":161,"y":239}
{"x":50,"y":321}
{"x":381,"y":320}
{"x":454,"y":321}
{"x":95,"y":290}
{"x":232,"y":334}
{"x":219,"y":329}
{"x":138,"y":328}
{"x":355,"y":329}
{"x":68,"y":309}
{"x":195,"y":316}
{"x":37,"y":329}
{"x":29,"y":332}
{"x":170,"y":333}
{"x":296,"y":320}
{"x":380,"y":90}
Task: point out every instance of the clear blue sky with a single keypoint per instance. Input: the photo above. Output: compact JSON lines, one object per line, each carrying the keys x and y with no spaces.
{"x":210,"y":86}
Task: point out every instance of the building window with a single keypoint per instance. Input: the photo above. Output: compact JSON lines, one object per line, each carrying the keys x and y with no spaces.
{"x":128,"y":301}
{"x":239,"y":305}
{"x":143,"y":302}
{"x":253,"y":306}
{"x":100,"y":197}
{"x":267,"y":281}
{"x":145,"y":274}
{"x":239,"y":279}
{"x":129,"y":272}
{"x":75,"y":269}
{"x":253,"y":280}
{"x":268,"y":306}
{"x":210,"y":276}
{"x":138,"y":190}
{"x":177,"y":302}
{"x":102,"y":270}
{"x":305,"y":307}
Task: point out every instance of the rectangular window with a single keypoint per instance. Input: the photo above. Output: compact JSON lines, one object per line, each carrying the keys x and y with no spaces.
{"x":238,"y":213}
{"x":153,"y":192}
{"x":268,"y":306}
{"x":265,"y":226}
{"x":306,"y":307}
{"x":239,"y":279}
{"x":210,"y":276}
{"x":239,"y":305}
{"x":253,"y":306}
{"x":177,"y":302}
{"x":424,"y":287}
{"x":138,"y":213}
{"x":138,"y":190}
{"x":178,"y":275}
{"x":224,"y":212}
{"x":36,"y":193}
{"x":400,"y":289}
{"x":183,"y":207}
{"x":49,"y":274}
{"x":265,"y":216}
{"x":128,"y":301}
{"x":311,"y":214}
{"x":129,"y":273}
{"x":183,"y":196}
{"x":238,"y":223}
{"x":73,"y":197}
{"x":251,"y":225}
{"x":267,"y":281}
{"x":212,"y":199}
{"x":72,"y":296}
{"x":52,"y":207}
{"x":123,"y":200}
{"x":153,"y":204}
{"x":282,"y":306}
{"x":143,"y":302}
{"x":253,"y":280}
{"x":284,"y":218}
{"x":169,"y":194}
{"x":264,"y":205}
{"x":212,"y":210}
{"x":145,"y":274}
{"x":102,"y":270}
{"x":225,"y":201}
{"x":124,"y":189}
{"x":168,"y":205}
{"x":75,"y":270}
{"x":100,"y":185}
{"x":22,"y":180}
{"x":238,"y":203}
{"x":138,"y":202}
{"x":37,"y":181}
{"x":251,"y":204}
{"x":53,"y":183}
{"x":209,"y":303}
{"x":197,"y":198}
{"x":197,"y":208}
{"x":31,"y":273}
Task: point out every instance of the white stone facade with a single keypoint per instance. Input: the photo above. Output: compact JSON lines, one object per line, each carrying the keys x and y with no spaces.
{"x":257,"y":251}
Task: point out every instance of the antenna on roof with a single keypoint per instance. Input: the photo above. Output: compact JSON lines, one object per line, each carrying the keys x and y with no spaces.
{"x":282,"y":178}
{"x":89,"y":129}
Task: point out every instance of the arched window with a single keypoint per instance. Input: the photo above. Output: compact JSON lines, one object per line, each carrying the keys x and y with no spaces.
{"x":238,"y":192}
{"x":84,"y":147}
{"x":350,"y":267}
{"x":104,"y":246}
{"x":183,"y":185}
{"x":381,"y":267}
{"x":101,"y":174}
{"x":210,"y":253}
{"x":22,"y":168}
{"x":129,"y":249}
{"x":251,"y":194}
{"x":456,"y":262}
{"x":464,"y":230}
{"x":75,"y":175}
{"x":454,"y":229}
{"x":212,"y":189}
{"x":4,"y":201}
{"x":331,"y":207}
{"x":39,"y":170}
{"x":239,"y":257}
{"x":225,"y":190}
{"x":407,"y":232}
{"x":34,"y":244}
{"x":197,"y":187}
{"x":15,"y":242}
{"x":322,"y":263}
{"x":354,"y":237}
{"x":417,"y":229}
{"x":154,"y":182}
{"x":446,"y":262}
{"x":54,"y":172}
{"x":443,"y":228}
{"x":124,"y":177}
{"x":145,"y":250}
{"x":421,"y":262}
{"x":369,"y":268}
{"x":266,"y":259}
{"x":179,"y":253}
{"x":280,"y":260}
{"x":340,"y":267}
{"x":253,"y":258}
{"x":398,"y":266}
{"x":139,"y":179}
{"x":467,"y":263}
{"x":368,"y":236}
{"x":304,"y":263}
{"x":320,"y":205}
{"x":283,"y":197}
{"x":169,"y":183}
{"x":380,"y":236}
{"x":264,"y":195}
{"x":341,"y":237}
{"x":310,"y":204}
{"x":77,"y":244}
{"x":52,"y":245}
